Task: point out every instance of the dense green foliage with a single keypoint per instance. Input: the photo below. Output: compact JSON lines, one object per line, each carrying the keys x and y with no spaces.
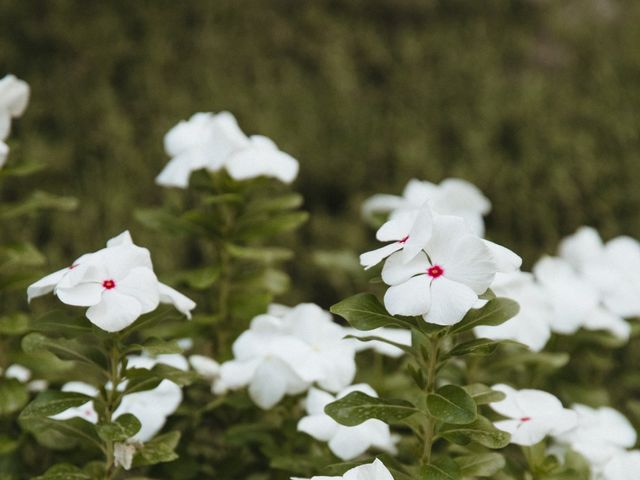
{"x":533,"y":101}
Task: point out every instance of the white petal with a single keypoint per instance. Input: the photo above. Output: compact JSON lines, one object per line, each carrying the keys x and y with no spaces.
{"x":268,"y":385}
{"x":447,"y":232}
{"x":450,"y":301}
{"x":374,"y":257}
{"x":142,"y":284}
{"x":4,"y":150}
{"x":316,"y":401}
{"x":506,"y":261}
{"x":396,"y":271}
{"x":507,"y":407}
{"x":14,"y":95}
{"x":349,"y":442}
{"x":205,"y":366}
{"x":397,"y":228}
{"x":182,"y":303}
{"x":582,"y":247}
{"x":115,"y":312}
{"x":470,"y":263}
{"x":381,"y":203}
{"x":82,"y":295}
{"x":123,"y":239}
{"x":528,"y":433}
{"x":121,"y":259}
{"x":535,"y":403}
{"x":237,"y":374}
{"x":46,"y":284}
{"x":412,"y":297}
{"x":5,"y":128}
{"x":321,"y":427}
{"x":258,"y":161}
{"x":419,"y":235}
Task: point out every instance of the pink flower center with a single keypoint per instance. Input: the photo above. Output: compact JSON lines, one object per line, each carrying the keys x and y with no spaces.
{"x":404,"y":240}
{"x":525,"y":419}
{"x":71,"y":267}
{"x":109,"y":284}
{"x":435,"y":271}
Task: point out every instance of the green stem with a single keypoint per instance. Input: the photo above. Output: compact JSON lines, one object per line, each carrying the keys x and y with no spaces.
{"x":112,"y":400}
{"x":430,"y":424}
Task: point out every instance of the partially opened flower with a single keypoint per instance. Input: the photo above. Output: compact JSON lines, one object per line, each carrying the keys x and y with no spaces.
{"x":345,"y":442}
{"x":532,"y":415}
{"x":442,"y":282}
{"x":117,"y":283}
{"x":408,"y":231}
{"x":530,"y":325}
{"x":453,"y":196}
{"x":599,"y":434}
{"x":215,"y":141}
{"x":395,"y":335}
{"x":370,"y":471}
{"x":612,"y":268}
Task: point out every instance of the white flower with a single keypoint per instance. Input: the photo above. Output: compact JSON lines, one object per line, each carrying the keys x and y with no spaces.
{"x":150,"y":407}
{"x":531,"y":324}
{"x":281,"y":356}
{"x":215,"y":141}
{"x":599,"y":434}
{"x":345,"y":442}
{"x":452,"y":196}
{"x":442,"y":282}
{"x":612,"y":268}
{"x":408,"y":231}
{"x":264,"y":360}
{"x":117,"y":283}
{"x":370,"y":471}
{"x":14,"y":96}
{"x":575,"y":302}
{"x":625,"y":465}
{"x":533,"y":414}
{"x":396,"y":335}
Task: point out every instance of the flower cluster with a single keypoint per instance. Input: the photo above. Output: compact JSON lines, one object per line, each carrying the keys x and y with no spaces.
{"x":590,"y":285}
{"x":287,"y":350}
{"x":215,"y":142}
{"x":150,"y":407}
{"x":117,"y":283}
{"x":435,"y":266}
{"x":14,"y":97}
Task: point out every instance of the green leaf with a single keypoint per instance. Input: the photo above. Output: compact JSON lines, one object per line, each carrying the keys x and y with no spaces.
{"x":13,"y":396}
{"x":478,"y":346}
{"x":358,"y":407}
{"x":37,"y":201}
{"x":156,"y":346}
{"x":163,"y":221}
{"x":250,"y":228}
{"x":482,"y":394}
{"x":200,"y":279}
{"x":64,"y":349}
{"x":442,"y":469}
{"x":14,"y":324}
{"x":50,"y":403}
{"x":480,"y":431}
{"x":59,"y":323}
{"x":365,"y":312}
{"x":123,"y":428}
{"x":20,"y":255}
{"x":141,"y":379}
{"x":288,"y":201}
{"x":495,"y":312}
{"x":481,"y":464}
{"x":160,"y":449}
{"x":8,"y":444}
{"x":373,"y":338}
{"x":259,"y":254}
{"x":64,"y":471}
{"x":452,"y":404}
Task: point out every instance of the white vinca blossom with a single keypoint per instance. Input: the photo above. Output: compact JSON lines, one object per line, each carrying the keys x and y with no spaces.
{"x":370,"y":471}
{"x":150,"y":407}
{"x":117,"y":283}
{"x":215,"y":141}
{"x":443,"y":281}
{"x":14,"y":97}
{"x":23,"y":375}
{"x":452,"y":196}
{"x":575,"y":302}
{"x":532,"y":415}
{"x":612,"y":268}
{"x":284,"y":355}
{"x":530,"y":326}
{"x":345,"y":442}
{"x":599,"y":435}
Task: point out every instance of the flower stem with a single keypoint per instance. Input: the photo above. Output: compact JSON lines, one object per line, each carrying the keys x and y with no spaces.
{"x":112,"y":401}
{"x":430,"y":424}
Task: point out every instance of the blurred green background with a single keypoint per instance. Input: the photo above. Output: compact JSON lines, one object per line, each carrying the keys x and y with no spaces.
{"x":535,"y":101}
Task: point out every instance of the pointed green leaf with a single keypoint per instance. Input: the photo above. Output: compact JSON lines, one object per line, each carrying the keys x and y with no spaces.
{"x":358,"y":407}
{"x":65,"y":349}
{"x":123,"y":428}
{"x":481,"y":464}
{"x":63,"y":471}
{"x":495,"y":312}
{"x":13,"y":396}
{"x":158,"y":450}
{"x":365,"y":312}
{"x":156,"y":346}
{"x":478,"y":346}
{"x":452,"y":404}
{"x":442,"y":469}
{"x":480,"y":431}
{"x":482,"y":394}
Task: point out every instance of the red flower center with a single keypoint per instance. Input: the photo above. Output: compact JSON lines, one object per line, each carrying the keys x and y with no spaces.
{"x":525,"y":419}
{"x":109,"y":284}
{"x":404,"y":240}
{"x":71,"y":267}
{"x":435,"y":271}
